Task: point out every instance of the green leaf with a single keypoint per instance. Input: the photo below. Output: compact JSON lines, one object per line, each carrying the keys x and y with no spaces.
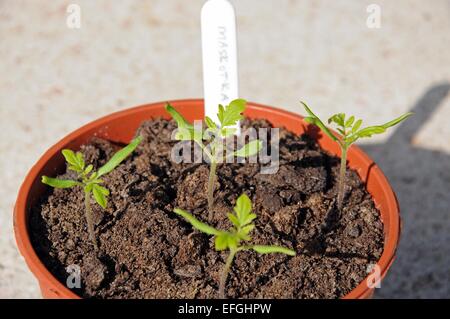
{"x":250,"y":149}
{"x":245,"y":231}
{"x":220,"y":113}
{"x":225,"y":240}
{"x":248,"y":219}
{"x":75,"y":161}
{"x":80,"y":160}
{"x":59,"y":183}
{"x":243,"y":208}
{"x":397,"y":120}
{"x":88,"y":169}
{"x":96,"y":181}
{"x":233,"y":220}
{"x":262,"y":249}
{"x":356,"y":126}
{"x":100,"y":195}
{"x":119,"y":157}
{"x":371,"y":130}
{"x":379,"y":129}
{"x":221,"y":242}
{"x":74,"y":168}
{"x":313,"y":119}
{"x":186,"y":131}
{"x":102,"y":189}
{"x":181,"y":121}
{"x":338,"y":119}
{"x":232,"y":113}
{"x":70,"y":156}
{"x":196,"y":223}
{"x":210,"y":123}
{"x":93,"y":176}
{"x":350,"y":121}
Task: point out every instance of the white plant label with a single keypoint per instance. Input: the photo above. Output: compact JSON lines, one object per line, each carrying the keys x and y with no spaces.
{"x":220,"y":78}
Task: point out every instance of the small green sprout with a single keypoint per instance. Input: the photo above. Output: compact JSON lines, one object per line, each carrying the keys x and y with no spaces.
{"x":350,"y":130}
{"x":216,"y":134}
{"x":242,"y":220}
{"x":89,"y":180}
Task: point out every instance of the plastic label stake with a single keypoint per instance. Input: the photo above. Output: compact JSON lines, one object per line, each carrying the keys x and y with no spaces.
{"x":220,"y":78}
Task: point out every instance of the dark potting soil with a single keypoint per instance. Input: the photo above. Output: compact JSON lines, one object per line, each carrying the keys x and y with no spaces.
{"x":147,"y":251}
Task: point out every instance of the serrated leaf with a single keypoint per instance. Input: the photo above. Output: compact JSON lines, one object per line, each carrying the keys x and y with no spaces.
{"x":245,"y":231}
{"x":99,"y":195}
{"x":356,"y":126}
{"x":313,"y":119}
{"x":119,"y":157}
{"x":243,"y":208}
{"x":350,"y":121}
{"x":338,"y":119}
{"x":88,"y":169}
{"x":70,"y":157}
{"x":225,"y":240}
{"x":250,"y":149}
{"x":262,"y":249}
{"x":229,"y":115}
{"x":196,"y":223}
{"x":379,"y":129}
{"x":233,"y":219}
{"x":371,"y":130}
{"x":249,"y":219}
{"x":102,"y":189}
{"x":221,"y":242}
{"x":80,"y":160}
{"x":59,"y":183}
{"x":73,"y":168}
{"x":210,"y":123}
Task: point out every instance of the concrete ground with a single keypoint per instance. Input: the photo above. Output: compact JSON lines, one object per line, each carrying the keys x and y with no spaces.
{"x":54,"y":79}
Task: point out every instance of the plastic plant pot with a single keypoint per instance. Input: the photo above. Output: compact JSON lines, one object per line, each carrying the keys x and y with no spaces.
{"x":121,"y":126}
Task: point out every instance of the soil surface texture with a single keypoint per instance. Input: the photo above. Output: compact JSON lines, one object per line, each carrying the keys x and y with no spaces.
{"x":147,"y":251}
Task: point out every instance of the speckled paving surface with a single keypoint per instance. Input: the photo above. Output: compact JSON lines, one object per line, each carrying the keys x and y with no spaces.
{"x":54,"y":79}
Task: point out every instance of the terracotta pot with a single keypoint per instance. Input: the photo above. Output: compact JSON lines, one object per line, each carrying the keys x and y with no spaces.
{"x":121,"y":126}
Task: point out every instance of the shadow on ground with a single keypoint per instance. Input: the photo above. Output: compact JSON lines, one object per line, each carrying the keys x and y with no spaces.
{"x":421,"y":180}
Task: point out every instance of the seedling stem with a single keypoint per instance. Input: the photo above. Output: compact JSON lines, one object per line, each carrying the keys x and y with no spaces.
{"x":350,"y":131}
{"x":89,"y":180}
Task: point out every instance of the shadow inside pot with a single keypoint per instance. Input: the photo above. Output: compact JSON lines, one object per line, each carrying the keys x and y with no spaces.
{"x":421,"y":180}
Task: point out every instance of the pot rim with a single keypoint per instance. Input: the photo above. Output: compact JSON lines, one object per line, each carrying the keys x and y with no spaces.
{"x":21,"y":227}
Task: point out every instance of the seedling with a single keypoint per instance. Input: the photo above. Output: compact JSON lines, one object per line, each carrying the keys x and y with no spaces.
{"x":216,"y":134}
{"x":350,"y":131}
{"x":242,"y":220}
{"x":89,"y":180}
